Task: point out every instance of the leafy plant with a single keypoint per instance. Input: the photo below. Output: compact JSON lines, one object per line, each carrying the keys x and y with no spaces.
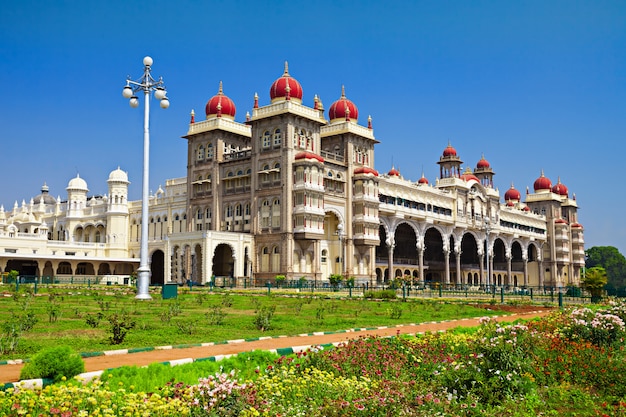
{"x":93,"y":320}
{"x":54,"y":363}
{"x":263,"y":318}
{"x":119,"y":326}
{"x":216,"y":316}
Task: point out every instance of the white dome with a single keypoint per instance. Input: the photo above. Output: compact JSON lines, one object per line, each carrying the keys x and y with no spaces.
{"x":118,"y":175}
{"x":77,"y":184}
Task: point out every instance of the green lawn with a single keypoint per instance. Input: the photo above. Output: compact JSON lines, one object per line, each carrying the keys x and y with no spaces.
{"x":192,"y":316}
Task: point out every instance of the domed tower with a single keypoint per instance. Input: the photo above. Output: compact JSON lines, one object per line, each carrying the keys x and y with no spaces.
{"x":117,"y":227}
{"x":512,"y":195}
{"x":449,"y":163}
{"x":118,"y":191}
{"x":76,"y":196}
{"x":286,"y":88}
{"x":343,"y":109}
{"x":220,"y":105}
{"x":484,"y":172}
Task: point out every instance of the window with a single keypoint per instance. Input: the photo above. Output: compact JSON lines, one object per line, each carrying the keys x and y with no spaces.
{"x":200,"y":152}
{"x":238,"y":210}
{"x":209,"y":151}
{"x":266,"y":140}
{"x":277,"y":137}
{"x":324,"y":256}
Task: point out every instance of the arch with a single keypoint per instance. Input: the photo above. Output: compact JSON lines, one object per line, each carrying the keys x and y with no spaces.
{"x":157,"y":267}
{"x":223,"y":261}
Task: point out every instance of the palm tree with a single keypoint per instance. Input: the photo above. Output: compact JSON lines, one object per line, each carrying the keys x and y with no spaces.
{"x":594,"y":281}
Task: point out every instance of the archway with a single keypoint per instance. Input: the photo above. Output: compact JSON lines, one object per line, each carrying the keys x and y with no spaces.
{"x":223,"y":261}
{"x":433,"y":256}
{"x":157,"y":268}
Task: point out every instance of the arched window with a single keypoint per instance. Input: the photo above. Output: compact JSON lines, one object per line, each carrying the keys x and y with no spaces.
{"x":238,"y":210}
{"x":277,"y":137}
{"x":266,"y":140}
{"x":200,"y":152}
{"x":209,"y":151}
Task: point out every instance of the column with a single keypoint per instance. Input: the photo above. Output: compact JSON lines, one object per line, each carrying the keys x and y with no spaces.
{"x":525,"y":271}
{"x":508,"y":269}
{"x":460,"y":279}
{"x":390,"y":272}
{"x":446,"y":255}
{"x":482,"y":269}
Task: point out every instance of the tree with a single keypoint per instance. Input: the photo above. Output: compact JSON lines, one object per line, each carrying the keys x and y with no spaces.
{"x":609,"y":258}
{"x":594,"y":281}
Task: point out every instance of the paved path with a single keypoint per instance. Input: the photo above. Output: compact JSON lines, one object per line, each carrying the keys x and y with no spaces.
{"x":11,"y":373}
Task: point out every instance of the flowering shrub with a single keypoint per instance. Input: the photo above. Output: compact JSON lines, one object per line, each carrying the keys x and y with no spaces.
{"x":600,"y":327}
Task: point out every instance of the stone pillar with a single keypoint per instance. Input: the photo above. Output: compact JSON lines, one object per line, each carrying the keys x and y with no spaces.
{"x":459,"y":278}
{"x":446,"y":255}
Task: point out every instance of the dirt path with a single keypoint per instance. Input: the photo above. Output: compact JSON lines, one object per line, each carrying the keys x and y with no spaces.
{"x":11,"y":373}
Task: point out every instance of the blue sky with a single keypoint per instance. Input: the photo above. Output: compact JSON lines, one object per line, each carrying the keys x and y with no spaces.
{"x":532,"y":85}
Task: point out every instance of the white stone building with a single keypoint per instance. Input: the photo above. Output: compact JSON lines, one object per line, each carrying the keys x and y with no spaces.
{"x":293,"y":191}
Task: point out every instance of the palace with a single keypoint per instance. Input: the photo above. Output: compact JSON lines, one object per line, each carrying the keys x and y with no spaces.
{"x":292,"y":191}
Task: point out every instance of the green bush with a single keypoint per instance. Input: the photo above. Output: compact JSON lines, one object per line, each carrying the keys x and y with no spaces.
{"x":54,"y":363}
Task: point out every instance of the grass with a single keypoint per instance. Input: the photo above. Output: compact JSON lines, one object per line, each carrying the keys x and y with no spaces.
{"x":186,"y":319}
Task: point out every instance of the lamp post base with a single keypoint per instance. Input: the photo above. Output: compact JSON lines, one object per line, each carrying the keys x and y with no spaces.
{"x":143,"y":282}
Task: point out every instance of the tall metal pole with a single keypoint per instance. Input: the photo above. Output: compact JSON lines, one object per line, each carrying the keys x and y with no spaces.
{"x":143,"y":273}
{"x":147,"y":84}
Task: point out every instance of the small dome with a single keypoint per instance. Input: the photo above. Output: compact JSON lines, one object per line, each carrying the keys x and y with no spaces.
{"x":343,"y":109}
{"x":393,"y":172}
{"x":560,"y":221}
{"x":423,"y":180}
{"x":468,"y":175}
{"x":365,"y":170}
{"x":483,"y":163}
{"x":44,"y":196}
{"x":449,"y":151}
{"x":308,"y":155}
{"x":577,"y":225}
{"x":526,"y":208}
{"x":560,"y":189}
{"x":510,"y":203}
{"x":286,"y":87}
{"x":77,"y":184}
{"x":542,"y":183}
{"x":512,"y":194}
{"x":220,"y":105}
{"x":118,"y":176}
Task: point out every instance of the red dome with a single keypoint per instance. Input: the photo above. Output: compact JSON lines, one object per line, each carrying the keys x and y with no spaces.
{"x":468,"y":175}
{"x":483,"y":163}
{"x":365,"y":170}
{"x":278,"y":91}
{"x":512,"y":194}
{"x":343,"y":109}
{"x":560,"y":221}
{"x":542,"y":183}
{"x":220,"y":105}
{"x":577,"y":225}
{"x":308,"y":155}
{"x":393,"y":172}
{"x":560,"y":189}
{"x":423,"y":180}
{"x":526,"y":208}
{"x":449,"y":151}
{"x":510,"y":203}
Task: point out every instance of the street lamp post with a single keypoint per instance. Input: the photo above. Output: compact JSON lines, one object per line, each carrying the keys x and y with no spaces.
{"x":147,"y":84}
{"x":487,"y":232}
